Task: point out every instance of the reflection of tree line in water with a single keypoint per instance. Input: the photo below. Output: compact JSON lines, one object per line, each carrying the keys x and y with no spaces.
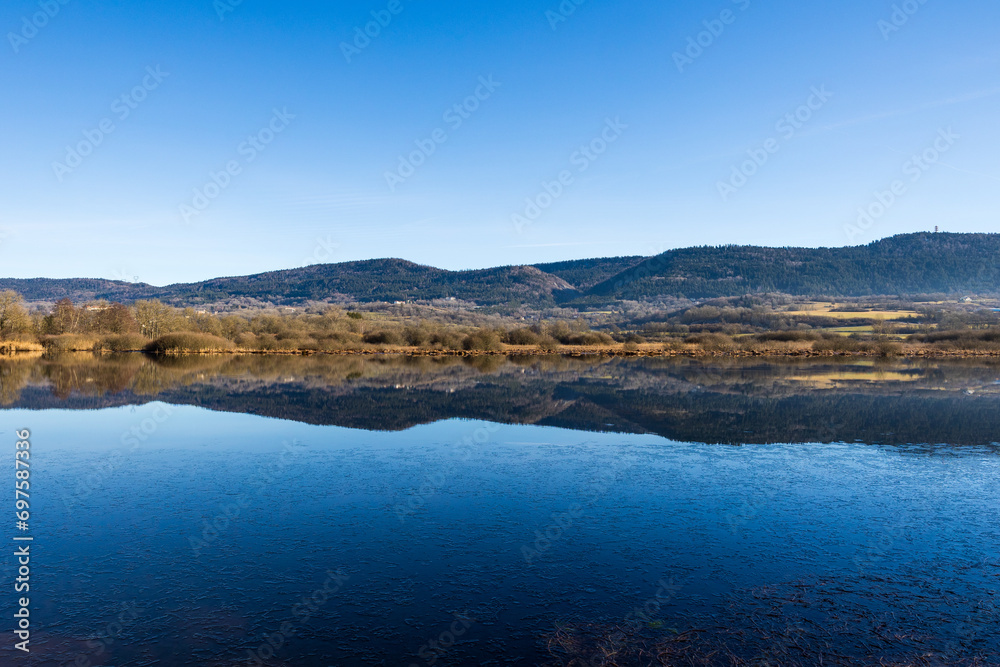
{"x":727,"y":401}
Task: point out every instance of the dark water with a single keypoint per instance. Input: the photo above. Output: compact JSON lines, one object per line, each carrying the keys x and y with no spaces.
{"x":557,"y":512}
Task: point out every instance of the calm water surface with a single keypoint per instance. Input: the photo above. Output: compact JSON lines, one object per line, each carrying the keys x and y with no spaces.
{"x":227,"y":515}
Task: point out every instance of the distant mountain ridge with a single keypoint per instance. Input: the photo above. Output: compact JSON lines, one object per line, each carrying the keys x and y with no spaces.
{"x":922,"y":263}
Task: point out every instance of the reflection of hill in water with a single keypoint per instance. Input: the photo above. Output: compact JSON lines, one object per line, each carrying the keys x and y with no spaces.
{"x":719,"y":401}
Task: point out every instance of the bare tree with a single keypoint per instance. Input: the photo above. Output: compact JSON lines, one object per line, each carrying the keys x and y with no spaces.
{"x":116,"y":319}
{"x":154,"y":318}
{"x":65,"y":318}
{"x":13,"y":317}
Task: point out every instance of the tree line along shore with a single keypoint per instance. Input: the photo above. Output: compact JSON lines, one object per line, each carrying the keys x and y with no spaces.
{"x":153,"y":327}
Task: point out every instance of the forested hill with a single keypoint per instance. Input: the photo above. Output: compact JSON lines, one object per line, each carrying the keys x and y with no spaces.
{"x":365,"y":281}
{"x":909,"y":264}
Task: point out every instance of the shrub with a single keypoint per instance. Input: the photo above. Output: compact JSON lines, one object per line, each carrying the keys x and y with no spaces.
{"x":266,"y":343}
{"x":523,"y":336}
{"x":246,"y":341}
{"x":711,"y":342}
{"x":561,"y":331}
{"x":446,"y":340}
{"x":121,"y":343}
{"x":837,"y":344}
{"x":384,"y":338}
{"x":189,"y":342}
{"x":751,"y":344}
{"x":962,"y":340}
{"x":485,"y":340}
{"x":302,"y":343}
{"x":548,"y":344}
{"x":12,"y":346}
{"x":336,"y":341}
{"x":355,"y":316}
{"x":589,"y":338}
{"x":69,"y":343}
{"x":415,"y":336}
{"x":887,"y":348}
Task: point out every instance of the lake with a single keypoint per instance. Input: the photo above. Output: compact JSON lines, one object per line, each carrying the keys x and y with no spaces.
{"x":340,"y":510}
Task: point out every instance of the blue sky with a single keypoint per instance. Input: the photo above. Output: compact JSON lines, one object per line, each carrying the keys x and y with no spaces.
{"x":510,"y":184}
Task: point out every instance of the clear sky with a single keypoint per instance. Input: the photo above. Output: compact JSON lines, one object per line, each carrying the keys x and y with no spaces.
{"x":184,"y":85}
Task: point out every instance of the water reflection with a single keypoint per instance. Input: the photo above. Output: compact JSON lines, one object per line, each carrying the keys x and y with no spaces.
{"x":556,"y":547}
{"x":717,"y":401}
{"x":179,"y":523}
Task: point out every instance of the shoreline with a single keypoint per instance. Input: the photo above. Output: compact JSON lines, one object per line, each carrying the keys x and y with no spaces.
{"x":513,"y":351}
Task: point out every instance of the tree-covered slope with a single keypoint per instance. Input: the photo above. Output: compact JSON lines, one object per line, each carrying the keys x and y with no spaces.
{"x":378,"y":280}
{"x":907,"y":264}
{"x":79,"y":289}
{"x":366,"y":281}
{"x":585,"y":273}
